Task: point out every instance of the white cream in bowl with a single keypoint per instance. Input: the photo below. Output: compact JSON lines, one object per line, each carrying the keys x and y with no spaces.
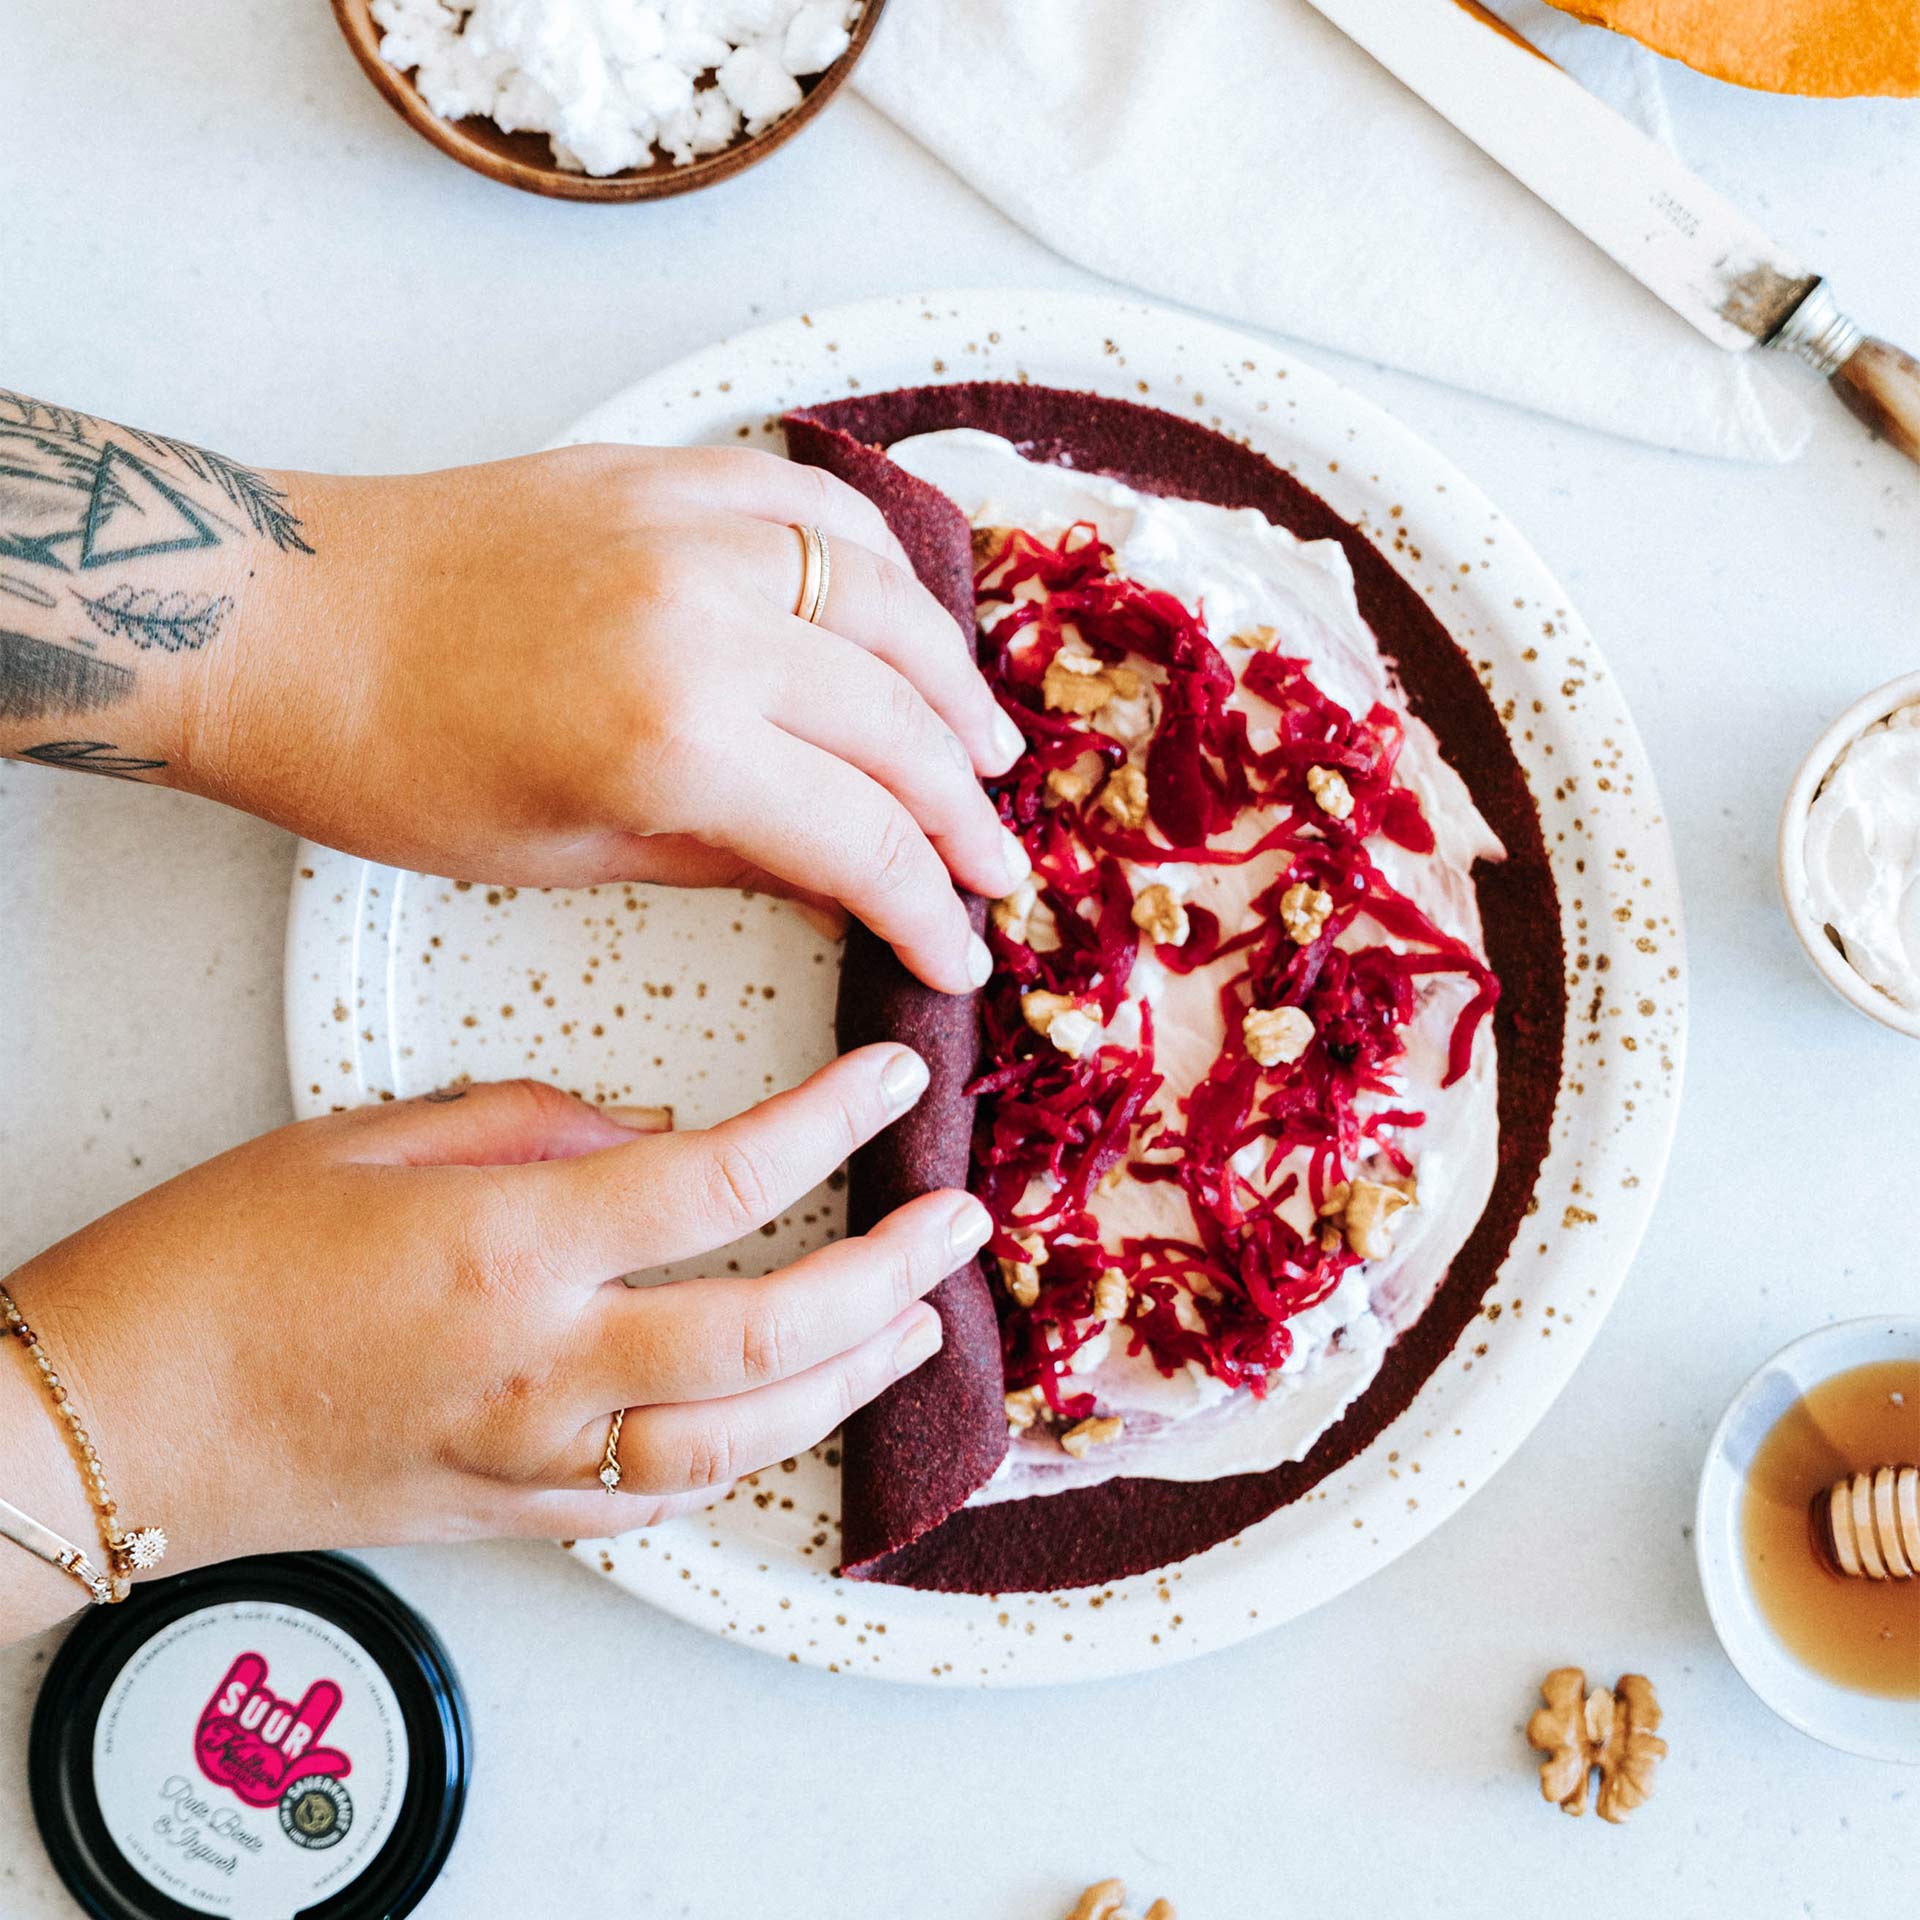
{"x":1862,"y":852}
{"x":1850,"y":855}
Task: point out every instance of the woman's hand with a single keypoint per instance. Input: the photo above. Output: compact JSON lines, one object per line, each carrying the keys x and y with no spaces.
{"x":585,"y":666}
{"x":405,"y":1322}
{"x":580,"y":666}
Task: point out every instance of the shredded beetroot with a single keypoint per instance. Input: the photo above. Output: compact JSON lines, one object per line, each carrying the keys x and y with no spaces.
{"x":1055,"y":1126}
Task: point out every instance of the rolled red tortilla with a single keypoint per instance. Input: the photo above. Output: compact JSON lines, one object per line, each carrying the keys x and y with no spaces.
{"x":913,"y":1456}
{"x":917,"y":1447}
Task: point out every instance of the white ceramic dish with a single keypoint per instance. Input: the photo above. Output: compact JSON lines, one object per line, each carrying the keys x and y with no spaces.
{"x":395,"y":983}
{"x":1818,"y":944}
{"x":1855,"y":1722}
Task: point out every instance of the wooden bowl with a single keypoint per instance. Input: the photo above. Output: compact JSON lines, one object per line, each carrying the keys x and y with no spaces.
{"x":525,"y":160}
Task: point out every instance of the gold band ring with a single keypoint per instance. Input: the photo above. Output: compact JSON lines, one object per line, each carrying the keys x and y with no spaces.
{"x":610,"y":1462}
{"x":816,"y":573}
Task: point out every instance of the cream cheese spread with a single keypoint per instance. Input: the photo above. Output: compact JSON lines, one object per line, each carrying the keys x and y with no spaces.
{"x":1243,"y":574}
{"x":1863,"y":855}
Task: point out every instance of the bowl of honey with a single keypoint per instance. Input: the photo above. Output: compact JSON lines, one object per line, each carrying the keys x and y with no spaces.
{"x":1808,"y":1535}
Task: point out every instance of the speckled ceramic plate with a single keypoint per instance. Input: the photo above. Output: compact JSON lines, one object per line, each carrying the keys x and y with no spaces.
{"x":396,"y":983}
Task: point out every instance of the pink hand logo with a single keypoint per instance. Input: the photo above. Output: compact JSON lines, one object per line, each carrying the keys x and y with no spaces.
{"x":253,"y":1742}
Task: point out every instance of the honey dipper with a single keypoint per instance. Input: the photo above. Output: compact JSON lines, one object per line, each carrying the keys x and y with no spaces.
{"x":1869,"y":1523}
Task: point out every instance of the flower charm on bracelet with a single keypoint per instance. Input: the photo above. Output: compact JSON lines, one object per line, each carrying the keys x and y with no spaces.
{"x":144,"y":1548}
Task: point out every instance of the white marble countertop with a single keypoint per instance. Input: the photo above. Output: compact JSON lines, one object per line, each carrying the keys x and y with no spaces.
{"x":209,"y":224}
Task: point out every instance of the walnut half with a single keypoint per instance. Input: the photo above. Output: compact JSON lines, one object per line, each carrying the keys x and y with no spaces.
{"x":1160,"y":916}
{"x":1101,"y":1431}
{"x":1303,"y":912}
{"x":1615,"y":1732}
{"x":1107,"y":1900}
{"x":1125,"y":795}
{"x":1276,"y":1036}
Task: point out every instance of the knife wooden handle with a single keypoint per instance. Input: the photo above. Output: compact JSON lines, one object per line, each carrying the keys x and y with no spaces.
{"x":1881,"y":385}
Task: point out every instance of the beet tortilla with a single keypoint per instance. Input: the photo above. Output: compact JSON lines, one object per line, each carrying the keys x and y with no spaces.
{"x":914,"y":1456}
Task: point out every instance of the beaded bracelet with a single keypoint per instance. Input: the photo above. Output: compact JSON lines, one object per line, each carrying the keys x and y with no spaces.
{"x":127,"y":1553}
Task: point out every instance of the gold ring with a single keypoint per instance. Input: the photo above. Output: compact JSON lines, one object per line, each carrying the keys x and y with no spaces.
{"x":610,"y":1462}
{"x":816,"y":573}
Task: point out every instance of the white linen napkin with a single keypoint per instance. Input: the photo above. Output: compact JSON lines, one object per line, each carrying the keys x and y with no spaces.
{"x":1244,"y":157}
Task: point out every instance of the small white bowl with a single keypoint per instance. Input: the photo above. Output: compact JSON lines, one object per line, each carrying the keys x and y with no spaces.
{"x":1867,"y":1724}
{"x":1828,"y":961}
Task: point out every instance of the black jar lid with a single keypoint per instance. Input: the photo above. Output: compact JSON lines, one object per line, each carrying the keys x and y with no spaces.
{"x":279,"y":1738}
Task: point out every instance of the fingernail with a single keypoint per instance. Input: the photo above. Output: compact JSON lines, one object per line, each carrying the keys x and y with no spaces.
{"x":921,"y":1341}
{"x":641,"y":1119}
{"x":1014,"y":858}
{"x":969,"y":1230}
{"x":903,"y":1080}
{"x":1008,"y":741}
{"x":979,"y":960}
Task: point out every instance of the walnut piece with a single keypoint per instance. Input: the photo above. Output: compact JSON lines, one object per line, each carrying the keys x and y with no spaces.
{"x":1011,"y":914}
{"x":1330,"y":791}
{"x":1125,"y":795}
{"x":1110,"y":1295}
{"x":1615,"y":1732}
{"x":1368,"y":1216}
{"x":1160,"y":916}
{"x":1303,"y":912}
{"x":1024,"y":917}
{"x":989,"y":543}
{"x":1276,"y":1036}
{"x":1022,"y":1276}
{"x":1023,"y":1408}
{"x":1062,"y":1020}
{"x":1101,"y":1431}
{"x":1075,"y":682}
{"x":1022,"y":1280}
{"x":1262,"y":637}
{"x":1073,"y":784}
{"x":1107,"y":1900}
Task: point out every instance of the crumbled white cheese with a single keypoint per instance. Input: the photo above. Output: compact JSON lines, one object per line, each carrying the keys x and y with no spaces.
{"x":612,"y":82}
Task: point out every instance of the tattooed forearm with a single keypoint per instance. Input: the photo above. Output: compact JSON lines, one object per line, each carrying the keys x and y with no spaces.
{"x":91,"y":756}
{"x":108,"y":539}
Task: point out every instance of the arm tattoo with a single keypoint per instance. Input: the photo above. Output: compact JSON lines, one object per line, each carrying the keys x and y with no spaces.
{"x":150,"y":618}
{"x":39,"y":677}
{"x":91,"y":756}
{"x":79,"y":495}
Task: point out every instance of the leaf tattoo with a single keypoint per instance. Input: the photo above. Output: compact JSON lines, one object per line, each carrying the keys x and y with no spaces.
{"x":42,"y":415}
{"x":91,"y":756}
{"x":264,"y":504}
{"x":176,"y":622}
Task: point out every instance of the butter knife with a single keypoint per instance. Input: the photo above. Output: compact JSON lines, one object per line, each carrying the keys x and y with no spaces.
{"x":1631,"y":197}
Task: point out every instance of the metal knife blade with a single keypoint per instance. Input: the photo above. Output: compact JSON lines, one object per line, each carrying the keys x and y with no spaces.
{"x":1631,"y":197}
{"x":1622,"y":189}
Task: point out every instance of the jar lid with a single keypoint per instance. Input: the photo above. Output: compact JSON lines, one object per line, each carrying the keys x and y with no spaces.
{"x":266,"y":1738}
